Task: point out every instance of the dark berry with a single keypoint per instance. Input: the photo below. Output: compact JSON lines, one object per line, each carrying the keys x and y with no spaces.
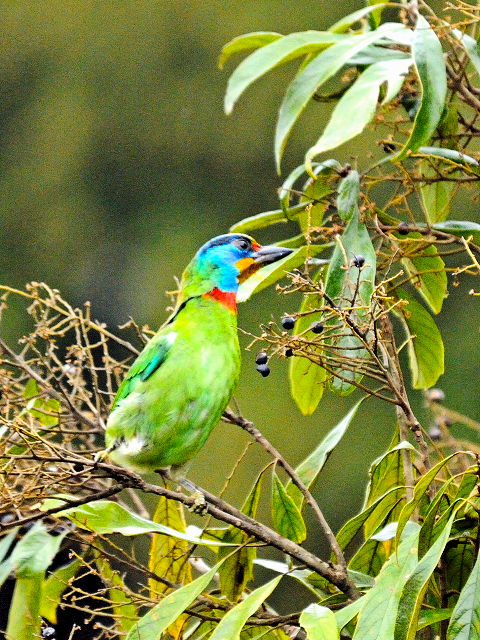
{"x":344,"y":171}
{"x":288,"y":353}
{"x":78,"y":466}
{"x":317,"y":327}
{"x":403,"y":228}
{"x":264,"y":370}
{"x":358,"y":261}
{"x":262,"y":357}
{"x":48,"y":632}
{"x":435,"y":433}
{"x":288,"y":322}
{"x":389,"y":147}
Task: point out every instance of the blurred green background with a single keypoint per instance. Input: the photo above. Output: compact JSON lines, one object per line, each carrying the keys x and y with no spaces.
{"x":117,"y":163}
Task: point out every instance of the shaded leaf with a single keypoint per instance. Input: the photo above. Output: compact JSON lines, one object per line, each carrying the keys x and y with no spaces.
{"x":319,"y":623}
{"x":41,"y":407}
{"x":309,"y":469}
{"x":348,"y":194}
{"x":427,"y":270}
{"x":437,"y":196}
{"x":237,"y":570}
{"x":162,"y":615}
{"x":122,"y":605}
{"x":425,"y":345}
{"x":430,"y":67}
{"x":282,"y":50}
{"x":231,"y":624}
{"x":54,"y":587}
{"x":253,"y":40}
{"x":286,"y":516}
{"x":461,"y":228}
{"x":471,"y":47}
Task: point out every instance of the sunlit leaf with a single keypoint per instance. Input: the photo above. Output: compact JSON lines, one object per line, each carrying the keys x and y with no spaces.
{"x":309,"y":469}
{"x":436,"y":196}
{"x":430,"y":67}
{"x":267,"y":218}
{"x":319,"y":623}
{"x":432,"y":616}
{"x":348,"y":194}
{"x":263,"y":60}
{"x":286,"y":516}
{"x":425,"y":345}
{"x":40,"y":408}
{"x":232,"y":623}
{"x":471,"y":47}
{"x":161,"y":616}
{"x":453,"y":155}
{"x":460,"y":228}
{"x":54,"y":587}
{"x":346,"y":22}
{"x":246,"y":42}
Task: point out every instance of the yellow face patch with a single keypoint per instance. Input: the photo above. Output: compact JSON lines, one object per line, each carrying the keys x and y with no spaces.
{"x":247,"y":267}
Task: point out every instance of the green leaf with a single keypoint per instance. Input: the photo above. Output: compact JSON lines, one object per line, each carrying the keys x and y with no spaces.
{"x":419,"y":491}
{"x":348,"y":194}
{"x":237,"y":570}
{"x":253,"y":40}
{"x":265,"y":59}
{"x":461,"y":228}
{"x":40,"y":407}
{"x":416,"y":586}
{"x":122,"y":605}
{"x":430,"y":67}
{"x":313,"y":75}
{"x":286,"y":516}
{"x":376,"y":620}
{"x":307,"y":378}
{"x":471,"y":47}
{"x":232,"y":623}
{"x":162,"y":615}
{"x":319,"y":623}
{"x":436,"y":196}
{"x":267,"y":218}
{"x":348,"y":286}
{"x":104,"y":517}
{"x":54,"y":587}
{"x":273,"y":272}
{"x":6,"y":542}
{"x":345,"y":23}
{"x":358,"y":104}
{"x":427,"y":270}
{"x":425,"y":346}
{"x":345,"y":615}
{"x":432,"y":616}
{"x":453,"y":155}
{"x":309,"y":469}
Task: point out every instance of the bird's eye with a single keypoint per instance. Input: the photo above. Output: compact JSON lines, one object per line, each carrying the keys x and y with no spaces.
{"x":243,"y":244}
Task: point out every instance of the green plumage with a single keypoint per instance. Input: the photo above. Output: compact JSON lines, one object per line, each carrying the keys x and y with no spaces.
{"x":178,"y":387}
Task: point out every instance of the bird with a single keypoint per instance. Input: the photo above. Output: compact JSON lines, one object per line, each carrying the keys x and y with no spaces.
{"x":176,"y":390}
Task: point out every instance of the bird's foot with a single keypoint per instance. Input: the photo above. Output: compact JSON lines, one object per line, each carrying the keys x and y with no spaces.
{"x":199,"y":504}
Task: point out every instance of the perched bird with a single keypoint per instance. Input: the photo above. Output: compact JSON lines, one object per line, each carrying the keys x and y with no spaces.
{"x":177,"y":389}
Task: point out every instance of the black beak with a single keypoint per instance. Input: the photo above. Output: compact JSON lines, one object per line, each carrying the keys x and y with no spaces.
{"x":269,"y":254}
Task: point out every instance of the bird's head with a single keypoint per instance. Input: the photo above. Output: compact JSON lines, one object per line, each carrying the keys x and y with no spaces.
{"x":226,"y":261}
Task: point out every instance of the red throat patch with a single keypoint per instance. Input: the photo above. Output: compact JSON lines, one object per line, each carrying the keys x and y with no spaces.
{"x":227,"y":298}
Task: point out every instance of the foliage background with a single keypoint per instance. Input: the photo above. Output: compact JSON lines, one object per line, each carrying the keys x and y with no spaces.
{"x":117,"y":163}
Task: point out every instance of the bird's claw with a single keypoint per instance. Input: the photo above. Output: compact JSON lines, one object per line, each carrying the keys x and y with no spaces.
{"x":199,"y":504}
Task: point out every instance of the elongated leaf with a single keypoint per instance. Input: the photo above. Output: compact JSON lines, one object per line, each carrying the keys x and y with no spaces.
{"x":419,"y":491}
{"x":168,"y":555}
{"x":416,"y":586}
{"x":232,"y":623}
{"x":350,"y":286}
{"x":309,"y":469}
{"x":471,"y":47}
{"x":307,"y":378}
{"x":430,"y":66}
{"x":319,"y":623}
{"x":348,"y":194}
{"x":104,"y":516}
{"x":425,"y":346}
{"x":263,"y":60}
{"x":237,"y":570}
{"x":345,"y":615}
{"x":274,"y":272}
{"x":161,"y":616}
{"x":285,"y":192}
{"x":267,"y":218}
{"x":453,"y":155}
{"x":358,"y":104}
{"x":286,"y":516}
{"x":461,"y":228}
{"x":432,"y":616}
{"x":312,"y":76}
{"x":376,"y":620}
{"x":54,"y":587}
{"x":345,"y":23}
{"x":427,"y":270}
{"x":436,"y":196}
{"x":6,"y":542}
{"x":248,"y":41}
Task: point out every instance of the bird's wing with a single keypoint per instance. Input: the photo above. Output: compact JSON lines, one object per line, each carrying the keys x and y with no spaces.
{"x":152,"y":357}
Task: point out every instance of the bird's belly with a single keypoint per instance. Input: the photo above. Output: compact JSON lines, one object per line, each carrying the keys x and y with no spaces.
{"x":168,"y":418}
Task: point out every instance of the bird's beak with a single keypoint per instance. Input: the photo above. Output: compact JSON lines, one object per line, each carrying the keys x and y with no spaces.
{"x":269,"y":254}
{"x":261,"y":257}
